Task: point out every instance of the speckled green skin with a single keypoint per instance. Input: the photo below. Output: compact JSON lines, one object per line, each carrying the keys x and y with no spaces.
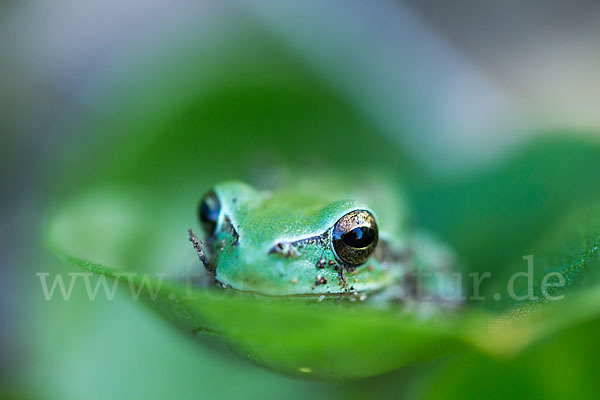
{"x":263,"y":219}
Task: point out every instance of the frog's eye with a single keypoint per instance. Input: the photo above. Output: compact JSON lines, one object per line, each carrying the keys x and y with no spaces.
{"x":355,"y":236}
{"x":208,"y":212}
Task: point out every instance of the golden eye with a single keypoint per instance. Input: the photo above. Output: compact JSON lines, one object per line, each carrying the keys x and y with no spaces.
{"x":355,"y":236}
{"x":208,"y":212}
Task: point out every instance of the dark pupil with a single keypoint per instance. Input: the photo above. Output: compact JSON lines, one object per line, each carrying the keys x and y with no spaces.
{"x":359,"y":237}
{"x":209,"y":213}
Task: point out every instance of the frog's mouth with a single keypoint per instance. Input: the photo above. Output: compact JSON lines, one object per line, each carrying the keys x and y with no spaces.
{"x":384,"y":254}
{"x":293,"y":249}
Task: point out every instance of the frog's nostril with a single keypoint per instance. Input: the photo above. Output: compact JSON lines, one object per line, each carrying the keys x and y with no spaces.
{"x":284,"y":249}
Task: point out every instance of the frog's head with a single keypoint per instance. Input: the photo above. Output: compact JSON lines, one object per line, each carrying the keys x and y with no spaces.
{"x":290,"y":243}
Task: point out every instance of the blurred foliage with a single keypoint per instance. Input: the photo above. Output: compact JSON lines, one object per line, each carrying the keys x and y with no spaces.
{"x":495,"y":217}
{"x":556,"y":368}
{"x":124,"y":197}
{"x":570,"y":247}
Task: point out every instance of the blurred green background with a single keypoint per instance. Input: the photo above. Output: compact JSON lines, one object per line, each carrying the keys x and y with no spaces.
{"x":485,"y":113}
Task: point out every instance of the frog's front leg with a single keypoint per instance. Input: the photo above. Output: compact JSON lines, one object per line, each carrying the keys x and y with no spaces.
{"x":201,"y":255}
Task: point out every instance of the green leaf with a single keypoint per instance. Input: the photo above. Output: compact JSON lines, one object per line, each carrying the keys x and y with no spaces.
{"x":324,"y":340}
{"x":494,"y":217}
{"x":570,"y":248}
{"x":562,"y":366}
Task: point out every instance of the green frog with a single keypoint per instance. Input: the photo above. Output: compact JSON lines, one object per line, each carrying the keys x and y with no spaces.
{"x":303,"y":241}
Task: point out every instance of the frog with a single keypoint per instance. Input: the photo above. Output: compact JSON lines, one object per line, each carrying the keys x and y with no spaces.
{"x":305,"y":242}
